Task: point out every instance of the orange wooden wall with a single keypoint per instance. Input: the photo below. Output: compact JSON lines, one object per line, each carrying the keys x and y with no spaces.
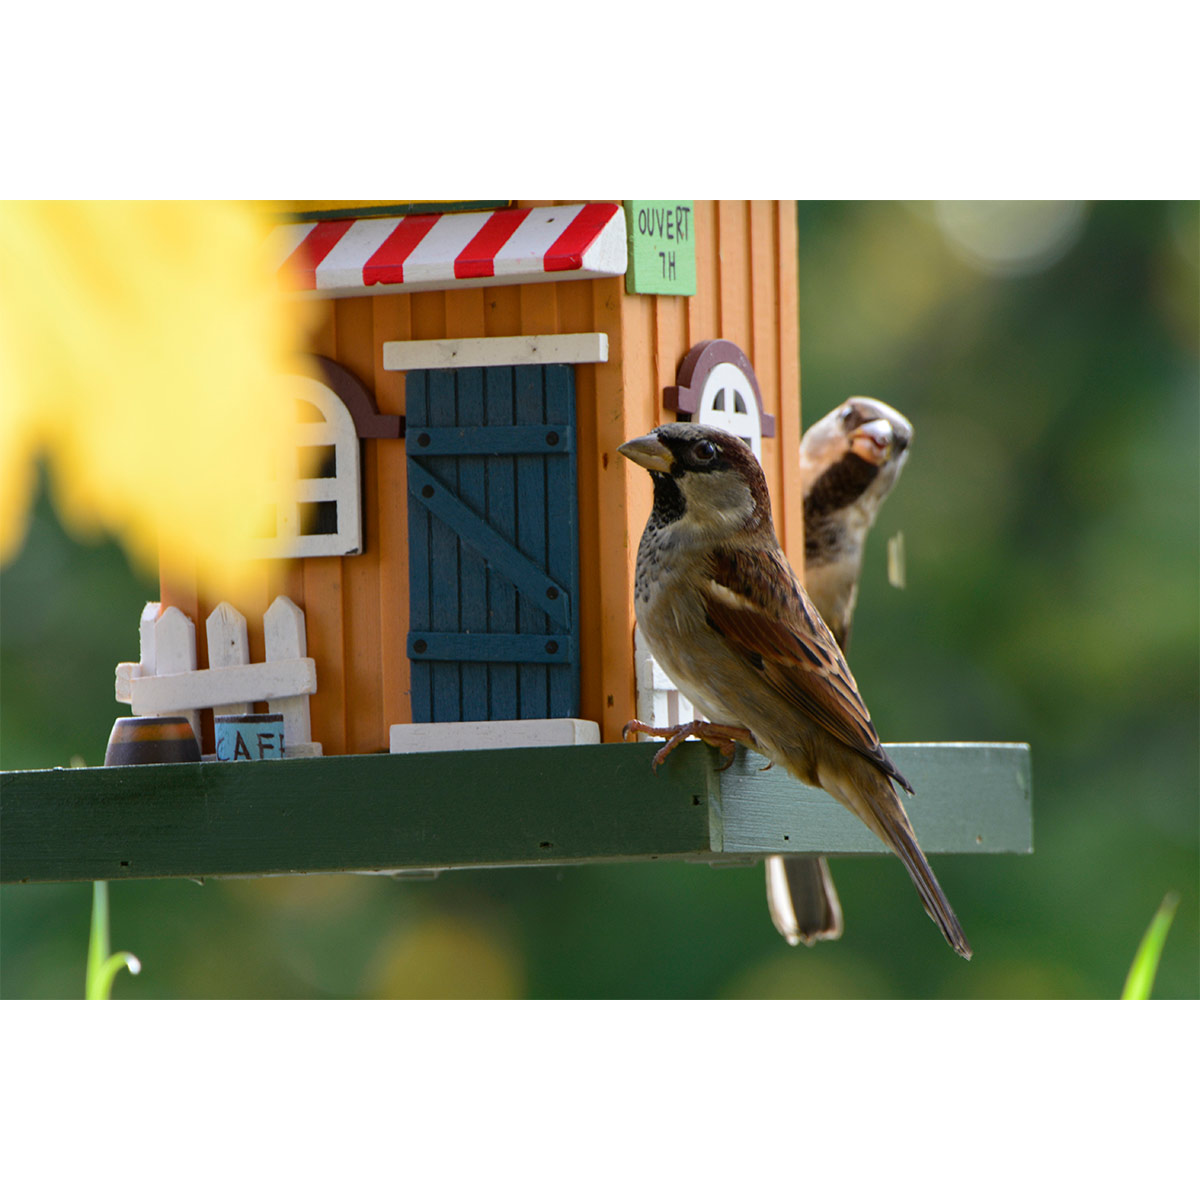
{"x":356,"y":608}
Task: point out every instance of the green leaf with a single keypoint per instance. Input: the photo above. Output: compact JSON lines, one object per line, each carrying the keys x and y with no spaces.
{"x":102,"y":967}
{"x":1140,"y":980}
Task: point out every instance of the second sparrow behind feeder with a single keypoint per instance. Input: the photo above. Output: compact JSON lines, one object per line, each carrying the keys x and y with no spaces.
{"x":849,"y":462}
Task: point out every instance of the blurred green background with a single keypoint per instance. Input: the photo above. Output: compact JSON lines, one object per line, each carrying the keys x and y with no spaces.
{"x":1048,"y":358}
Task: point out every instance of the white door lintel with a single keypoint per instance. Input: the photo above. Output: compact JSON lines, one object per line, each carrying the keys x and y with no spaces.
{"x":440,"y":353}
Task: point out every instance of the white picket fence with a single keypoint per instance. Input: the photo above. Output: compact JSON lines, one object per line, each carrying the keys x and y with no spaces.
{"x":658,"y":702}
{"x":165,"y":682}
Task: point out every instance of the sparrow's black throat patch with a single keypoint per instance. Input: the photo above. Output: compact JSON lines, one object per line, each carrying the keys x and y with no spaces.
{"x":836,"y":488}
{"x":840,"y":485}
{"x":669,"y":505}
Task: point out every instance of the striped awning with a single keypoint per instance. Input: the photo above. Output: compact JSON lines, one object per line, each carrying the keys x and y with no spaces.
{"x":431,"y":251}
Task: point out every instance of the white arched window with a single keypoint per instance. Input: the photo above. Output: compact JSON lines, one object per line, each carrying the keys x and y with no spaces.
{"x":727,"y":400}
{"x":320,"y":507}
{"x":716,"y":385}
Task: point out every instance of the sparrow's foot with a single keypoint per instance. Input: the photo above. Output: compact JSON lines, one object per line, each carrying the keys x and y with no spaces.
{"x":724,"y":737}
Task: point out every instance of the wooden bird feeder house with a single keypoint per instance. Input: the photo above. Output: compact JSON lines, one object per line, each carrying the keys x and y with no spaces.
{"x":444,"y":614}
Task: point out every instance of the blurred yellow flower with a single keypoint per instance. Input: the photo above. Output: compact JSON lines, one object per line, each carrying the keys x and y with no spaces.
{"x":443,"y":957}
{"x":142,"y":353}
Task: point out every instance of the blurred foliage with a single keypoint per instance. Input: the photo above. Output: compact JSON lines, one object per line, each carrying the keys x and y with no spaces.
{"x":1050,"y":516}
{"x":1139,"y":983}
{"x":103,"y":967}
{"x":135,"y":338}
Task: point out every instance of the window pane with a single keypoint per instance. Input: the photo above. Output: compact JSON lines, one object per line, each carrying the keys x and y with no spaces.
{"x":316,"y":462}
{"x":308,"y":412}
{"x":318,"y":516}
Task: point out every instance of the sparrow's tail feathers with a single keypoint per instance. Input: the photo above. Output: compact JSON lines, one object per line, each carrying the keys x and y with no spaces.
{"x":897,"y":832}
{"x":803,"y":901}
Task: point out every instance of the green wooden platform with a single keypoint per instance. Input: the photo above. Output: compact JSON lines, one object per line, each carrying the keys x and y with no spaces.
{"x":484,"y":808}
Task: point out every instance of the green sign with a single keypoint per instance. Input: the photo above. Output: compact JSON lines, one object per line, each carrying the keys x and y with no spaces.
{"x":662,"y":247}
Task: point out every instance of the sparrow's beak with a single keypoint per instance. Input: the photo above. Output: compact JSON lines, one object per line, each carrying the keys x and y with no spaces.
{"x":873,"y":441}
{"x":648,"y":452}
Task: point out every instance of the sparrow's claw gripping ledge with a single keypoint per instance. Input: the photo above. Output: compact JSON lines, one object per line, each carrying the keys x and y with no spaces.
{"x":724,"y":737}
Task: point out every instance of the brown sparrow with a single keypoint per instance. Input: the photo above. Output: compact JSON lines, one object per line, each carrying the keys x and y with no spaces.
{"x":727,"y":620}
{"x":849,"y":461}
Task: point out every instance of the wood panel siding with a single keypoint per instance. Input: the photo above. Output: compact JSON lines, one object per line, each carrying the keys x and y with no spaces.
{"x":392,"y":319}
{"x":791,"y":515}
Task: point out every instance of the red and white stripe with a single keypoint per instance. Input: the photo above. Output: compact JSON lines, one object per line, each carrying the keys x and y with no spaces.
{"x":430,"y":251}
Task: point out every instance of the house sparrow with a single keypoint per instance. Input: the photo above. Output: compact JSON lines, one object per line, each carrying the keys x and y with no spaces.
{"x":849,"y":462}
{"x":727,"y":620}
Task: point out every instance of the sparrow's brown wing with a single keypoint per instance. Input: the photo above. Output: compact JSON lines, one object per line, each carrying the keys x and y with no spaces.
{"x":755,"y":602}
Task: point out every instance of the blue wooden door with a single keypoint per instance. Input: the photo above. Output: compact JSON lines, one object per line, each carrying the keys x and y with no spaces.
{"x":493,"y":543}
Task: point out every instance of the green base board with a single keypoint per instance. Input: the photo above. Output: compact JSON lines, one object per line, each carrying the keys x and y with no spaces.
{"x":482,"y":808}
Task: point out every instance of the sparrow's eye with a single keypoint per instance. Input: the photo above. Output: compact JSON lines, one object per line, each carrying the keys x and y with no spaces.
{"x":704,"y":452}
{"x":846,"y":413}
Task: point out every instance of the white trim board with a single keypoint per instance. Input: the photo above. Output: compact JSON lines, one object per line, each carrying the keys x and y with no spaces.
{"x":440,"y":353}
{"x":491,"y":735}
